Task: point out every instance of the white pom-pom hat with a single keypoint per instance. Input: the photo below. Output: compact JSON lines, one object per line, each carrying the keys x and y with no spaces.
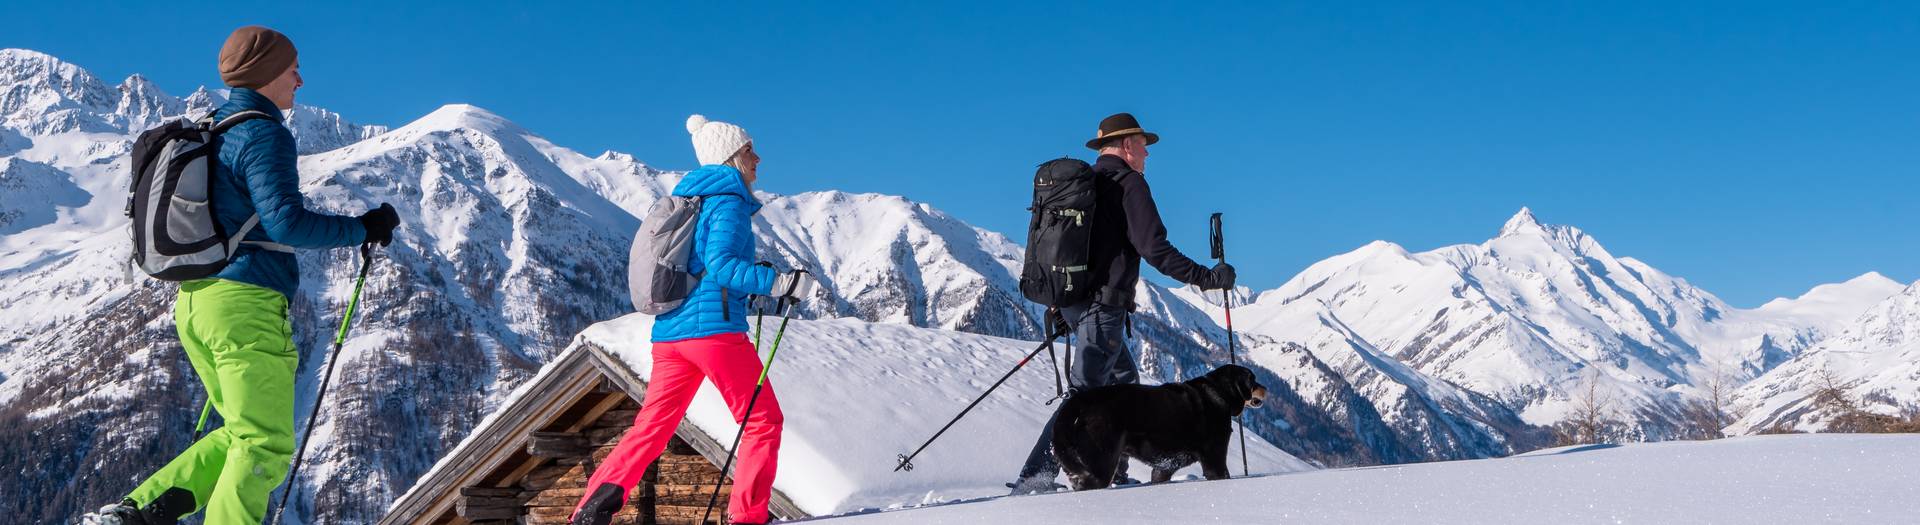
{"x":713,"y":141}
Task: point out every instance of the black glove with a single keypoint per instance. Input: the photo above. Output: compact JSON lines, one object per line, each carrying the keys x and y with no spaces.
{"x":1221,"y":278}
{"x":380,"y":223}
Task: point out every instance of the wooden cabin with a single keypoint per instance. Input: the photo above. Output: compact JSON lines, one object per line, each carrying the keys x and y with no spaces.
{"x":529,"y":462}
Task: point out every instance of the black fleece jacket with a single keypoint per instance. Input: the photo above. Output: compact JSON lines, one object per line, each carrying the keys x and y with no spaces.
{"x":1126,"y":229}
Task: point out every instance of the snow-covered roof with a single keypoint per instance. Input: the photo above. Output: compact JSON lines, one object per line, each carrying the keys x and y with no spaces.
{"x":857,"y":394}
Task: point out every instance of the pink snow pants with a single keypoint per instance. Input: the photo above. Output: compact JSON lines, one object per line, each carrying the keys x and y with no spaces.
{"x":729,"y":360}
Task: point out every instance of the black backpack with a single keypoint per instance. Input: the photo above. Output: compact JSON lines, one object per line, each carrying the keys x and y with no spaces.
{"x":1058,"y":264}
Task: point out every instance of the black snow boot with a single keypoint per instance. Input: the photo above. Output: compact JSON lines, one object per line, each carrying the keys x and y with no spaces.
{"x":600,"y":508}
{"x":169,"y":507}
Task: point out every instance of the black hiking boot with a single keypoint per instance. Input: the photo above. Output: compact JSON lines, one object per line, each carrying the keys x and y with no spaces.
{"x":599,"y":510}
{"x":169,"y":507}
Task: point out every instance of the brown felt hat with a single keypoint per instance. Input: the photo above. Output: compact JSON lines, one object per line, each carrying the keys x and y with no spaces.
{"x":253,"y":56}
{"x":1116,"y":126}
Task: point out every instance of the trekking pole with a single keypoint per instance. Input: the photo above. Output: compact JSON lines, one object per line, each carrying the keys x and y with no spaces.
{"x":1226,"y":296}
{"x":906,"y":460}
{"x":200,"y":429}
{"x":785,"y":315}
{"x":293,"y":473}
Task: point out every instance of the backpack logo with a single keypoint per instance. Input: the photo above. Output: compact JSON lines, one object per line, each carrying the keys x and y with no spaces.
{"x":175,"y":234}
{"x":660,"y":266}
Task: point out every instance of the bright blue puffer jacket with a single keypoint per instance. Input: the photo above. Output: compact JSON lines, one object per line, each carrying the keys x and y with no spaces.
{"x":723,"y":250}
{"x":257,"y":173}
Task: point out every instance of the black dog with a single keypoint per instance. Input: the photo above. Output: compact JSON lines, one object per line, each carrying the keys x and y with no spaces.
{"x":1167,"y":426}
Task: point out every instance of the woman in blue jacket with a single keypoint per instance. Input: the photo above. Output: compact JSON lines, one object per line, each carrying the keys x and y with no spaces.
{"x":706,"y":337}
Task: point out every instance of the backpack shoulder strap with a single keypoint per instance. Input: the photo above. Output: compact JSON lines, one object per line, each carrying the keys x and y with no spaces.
{"x":238,"y":118}
{"x":239,"y":237}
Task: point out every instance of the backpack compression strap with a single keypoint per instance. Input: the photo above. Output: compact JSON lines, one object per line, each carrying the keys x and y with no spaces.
{"x":233,"y":243}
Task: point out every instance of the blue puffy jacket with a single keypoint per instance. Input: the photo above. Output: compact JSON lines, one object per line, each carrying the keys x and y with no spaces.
{"x":257,"y":173}
{"x":722,"y":257}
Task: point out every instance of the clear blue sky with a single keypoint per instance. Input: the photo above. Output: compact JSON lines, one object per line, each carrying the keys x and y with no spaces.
{"x":1754,"y":148}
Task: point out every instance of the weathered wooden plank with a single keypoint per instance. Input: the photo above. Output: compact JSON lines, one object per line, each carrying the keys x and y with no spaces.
{"x":606,"y":436}
{"x":547,"y":473}
{"x":473,"y":508}
{"x":489,"y":492}
{"x":594,"y":415}
{"x":664,"y":491}
{"x":677,"y":468}
{"x":562,"y":513}
{"x":688,"y":514}
{"x":618,"y":417}
{"x":553,"y":500}
{"x":564,"y":482}
{"x":557,"y":444}
{"x":521,"y":470}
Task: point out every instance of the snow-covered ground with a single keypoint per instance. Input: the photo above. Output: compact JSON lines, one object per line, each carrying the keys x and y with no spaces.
{"x":1826,"y":478}
{"x":855,"y":394}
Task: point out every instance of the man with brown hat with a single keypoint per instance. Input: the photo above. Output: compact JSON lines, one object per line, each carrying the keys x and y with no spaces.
{"x":233,"y":326}
{"x":1126,"y":229}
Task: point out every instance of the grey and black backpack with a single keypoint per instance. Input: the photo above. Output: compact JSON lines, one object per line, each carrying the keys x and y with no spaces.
{"x":659,"y":268}
{"x":175,"y":235}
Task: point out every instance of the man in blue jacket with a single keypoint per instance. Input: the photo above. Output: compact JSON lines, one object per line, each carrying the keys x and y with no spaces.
{"x":1126,"y":230}
{"x":234,"y":326}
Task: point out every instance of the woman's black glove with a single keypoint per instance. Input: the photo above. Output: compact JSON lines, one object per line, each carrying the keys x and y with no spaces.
{"x":380,"y":224}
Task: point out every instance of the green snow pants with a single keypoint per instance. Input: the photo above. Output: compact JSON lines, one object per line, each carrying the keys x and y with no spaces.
{"x":241,"y":345}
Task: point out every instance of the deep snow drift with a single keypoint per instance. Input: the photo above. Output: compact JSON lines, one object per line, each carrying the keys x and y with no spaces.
{"x":1830,"y":478}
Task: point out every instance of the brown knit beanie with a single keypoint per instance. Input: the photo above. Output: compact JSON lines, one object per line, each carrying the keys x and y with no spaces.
{"x":254,"y":56}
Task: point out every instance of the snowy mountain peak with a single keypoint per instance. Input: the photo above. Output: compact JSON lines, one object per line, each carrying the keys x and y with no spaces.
{"x":1521,"y":222}
{"x":33,"y":85}
{"x":1865,"y":289}
{"x":461,"y":116}
{"x":144,"y":104}
{"x":615,"y":156}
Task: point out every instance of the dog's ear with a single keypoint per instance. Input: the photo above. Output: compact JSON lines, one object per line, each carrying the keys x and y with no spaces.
{"x":1248,"y":382}
{"x":1237,"y":381}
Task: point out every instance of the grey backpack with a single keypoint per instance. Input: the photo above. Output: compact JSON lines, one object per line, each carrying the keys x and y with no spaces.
{"x":175,"y":235}
{"x":659,"y":268}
